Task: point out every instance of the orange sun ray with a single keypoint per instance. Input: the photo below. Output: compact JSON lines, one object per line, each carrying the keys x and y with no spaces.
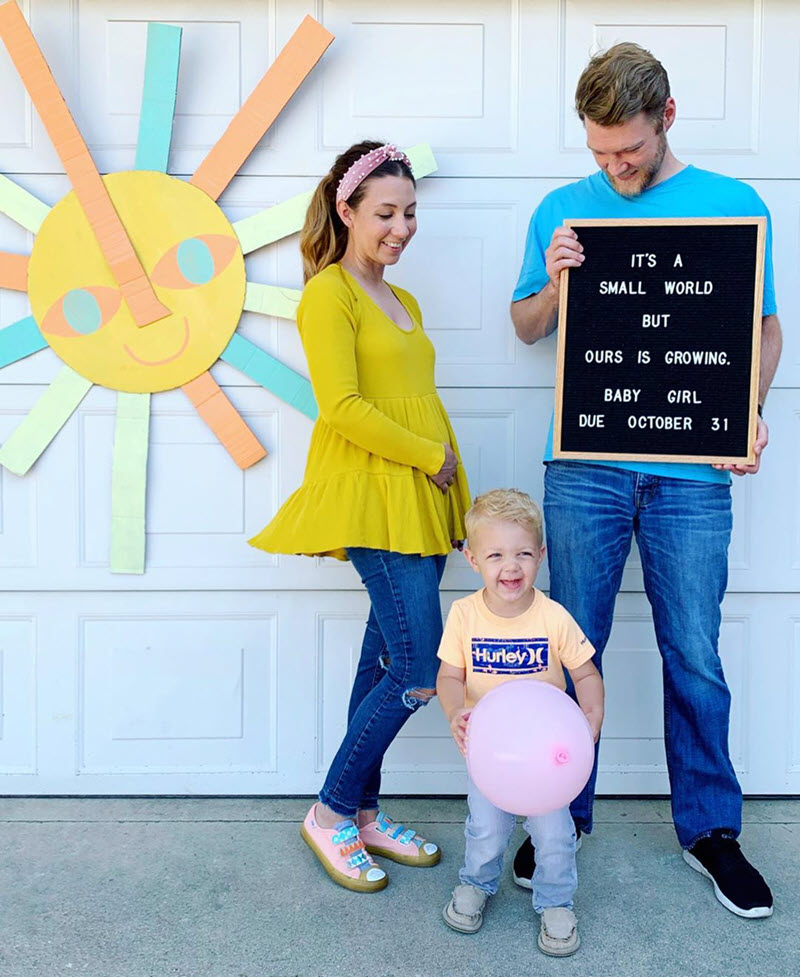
{"x":14,"y":271}
{"x":302,"y":51}
{"x":224,"y":420}
{"x":79,"y":165}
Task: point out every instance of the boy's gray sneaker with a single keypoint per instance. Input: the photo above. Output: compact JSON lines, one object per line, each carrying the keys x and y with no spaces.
{"x":464,"y":912}
{"x":558,"y":933}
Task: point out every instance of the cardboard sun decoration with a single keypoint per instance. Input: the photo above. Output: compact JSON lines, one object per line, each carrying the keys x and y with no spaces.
{"x":137,"y":281}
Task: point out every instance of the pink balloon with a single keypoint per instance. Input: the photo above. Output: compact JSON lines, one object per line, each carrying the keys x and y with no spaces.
{"x":529,"y":747}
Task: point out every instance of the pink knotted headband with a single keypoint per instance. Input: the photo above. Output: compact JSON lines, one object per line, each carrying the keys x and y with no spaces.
{"x":364,"y":165}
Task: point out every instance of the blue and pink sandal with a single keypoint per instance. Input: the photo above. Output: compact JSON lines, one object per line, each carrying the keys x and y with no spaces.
{"x":388,"y":839}
{"x":342,"y":854}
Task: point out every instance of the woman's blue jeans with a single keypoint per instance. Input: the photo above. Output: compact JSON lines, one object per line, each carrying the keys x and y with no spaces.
{"x":683,"y":529}
{"x":396,"y":673}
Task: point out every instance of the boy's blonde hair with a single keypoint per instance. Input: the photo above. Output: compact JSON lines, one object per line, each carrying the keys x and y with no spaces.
{"x":509,"y":505}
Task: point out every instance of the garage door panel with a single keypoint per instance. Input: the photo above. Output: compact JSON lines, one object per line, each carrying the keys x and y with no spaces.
{"x":18,"y":526}
{"x":176,"y":695}
{"x":18,"y":667}
{"x":227,"y":670}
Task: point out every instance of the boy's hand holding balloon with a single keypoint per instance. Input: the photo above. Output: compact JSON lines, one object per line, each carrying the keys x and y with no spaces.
{"x":458,"y":727}
{"x":595,"y":720}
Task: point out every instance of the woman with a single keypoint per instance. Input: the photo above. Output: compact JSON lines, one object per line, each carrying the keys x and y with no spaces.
{"x":383,"y":487}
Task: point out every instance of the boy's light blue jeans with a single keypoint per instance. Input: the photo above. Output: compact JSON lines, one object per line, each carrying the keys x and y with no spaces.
{"x":488,"y":831}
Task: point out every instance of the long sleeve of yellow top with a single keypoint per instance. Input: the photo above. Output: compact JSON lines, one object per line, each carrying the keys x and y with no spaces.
{"x":328,"y":320}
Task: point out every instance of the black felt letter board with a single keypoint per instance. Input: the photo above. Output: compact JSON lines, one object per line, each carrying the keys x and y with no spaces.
{"x":659,"y":341}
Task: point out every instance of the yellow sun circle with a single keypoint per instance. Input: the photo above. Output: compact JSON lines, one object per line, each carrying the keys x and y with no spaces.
{"x":195,"y":264}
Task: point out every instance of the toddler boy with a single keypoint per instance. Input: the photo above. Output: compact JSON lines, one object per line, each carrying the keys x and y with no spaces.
{"x":504,"y":545}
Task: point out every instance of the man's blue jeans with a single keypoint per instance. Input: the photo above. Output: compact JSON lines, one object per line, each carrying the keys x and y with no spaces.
{"x":396,"y":672}
{"x":488,"y":831}
{"x":683,"y":530}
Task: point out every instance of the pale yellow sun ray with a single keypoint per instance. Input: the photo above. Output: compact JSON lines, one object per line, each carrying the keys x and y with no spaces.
{"x":129,"y":482}
{"x":272,"y":300}
{"x":286,"y":218}
{"x":45,"y":419}
{"x":21,"y":206}
{"x":273,"y":223}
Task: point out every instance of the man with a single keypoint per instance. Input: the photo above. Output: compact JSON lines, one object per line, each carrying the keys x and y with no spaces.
{"x":680,"y":513}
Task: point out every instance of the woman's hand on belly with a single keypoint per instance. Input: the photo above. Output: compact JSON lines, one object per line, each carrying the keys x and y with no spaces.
{"x":445,"y":477}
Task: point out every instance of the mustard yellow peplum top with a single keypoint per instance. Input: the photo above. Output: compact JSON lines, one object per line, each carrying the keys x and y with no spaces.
{"x":379,"y":434}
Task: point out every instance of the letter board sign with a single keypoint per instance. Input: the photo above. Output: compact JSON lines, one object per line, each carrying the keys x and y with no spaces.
{"x":659,"y":336}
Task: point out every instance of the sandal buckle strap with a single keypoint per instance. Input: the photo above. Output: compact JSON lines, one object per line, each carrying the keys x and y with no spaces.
{"x":359,"y":858}
{"x":400,"y":832}
{"x":345,"y":834}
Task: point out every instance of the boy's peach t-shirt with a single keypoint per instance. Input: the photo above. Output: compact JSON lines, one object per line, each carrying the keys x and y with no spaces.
{"x":538,"y":644}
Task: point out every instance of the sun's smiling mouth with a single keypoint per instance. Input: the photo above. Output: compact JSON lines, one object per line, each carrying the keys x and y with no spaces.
{"x":169,"y":359}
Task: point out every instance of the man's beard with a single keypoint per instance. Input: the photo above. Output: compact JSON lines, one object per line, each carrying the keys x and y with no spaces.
{"x":646,"y":174}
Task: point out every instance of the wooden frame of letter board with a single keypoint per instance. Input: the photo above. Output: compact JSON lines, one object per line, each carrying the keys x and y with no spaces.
{"x":563,"y":299}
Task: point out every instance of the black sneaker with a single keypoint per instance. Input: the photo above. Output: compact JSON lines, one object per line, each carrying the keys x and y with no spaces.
{"x":525,"y":861}
{"x":737,"y":885}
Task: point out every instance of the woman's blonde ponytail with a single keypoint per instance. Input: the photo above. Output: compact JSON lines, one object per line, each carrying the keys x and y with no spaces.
{"x":324,"y":237}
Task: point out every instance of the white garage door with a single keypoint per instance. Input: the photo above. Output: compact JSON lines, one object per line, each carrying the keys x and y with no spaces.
{"x":221,"y":670}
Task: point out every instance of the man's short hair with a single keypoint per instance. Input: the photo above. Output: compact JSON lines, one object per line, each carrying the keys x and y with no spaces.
{"x":620,"y":83}
{"x":508,"y":505}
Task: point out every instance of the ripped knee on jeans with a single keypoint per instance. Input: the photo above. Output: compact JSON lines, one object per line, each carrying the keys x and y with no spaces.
{"x":414,"y":698}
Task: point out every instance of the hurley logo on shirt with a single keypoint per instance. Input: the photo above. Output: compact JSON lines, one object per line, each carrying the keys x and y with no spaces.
{"x":515,"y":656}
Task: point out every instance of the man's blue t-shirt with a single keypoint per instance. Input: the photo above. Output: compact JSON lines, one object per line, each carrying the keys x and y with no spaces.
{"x":689,"y":193}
